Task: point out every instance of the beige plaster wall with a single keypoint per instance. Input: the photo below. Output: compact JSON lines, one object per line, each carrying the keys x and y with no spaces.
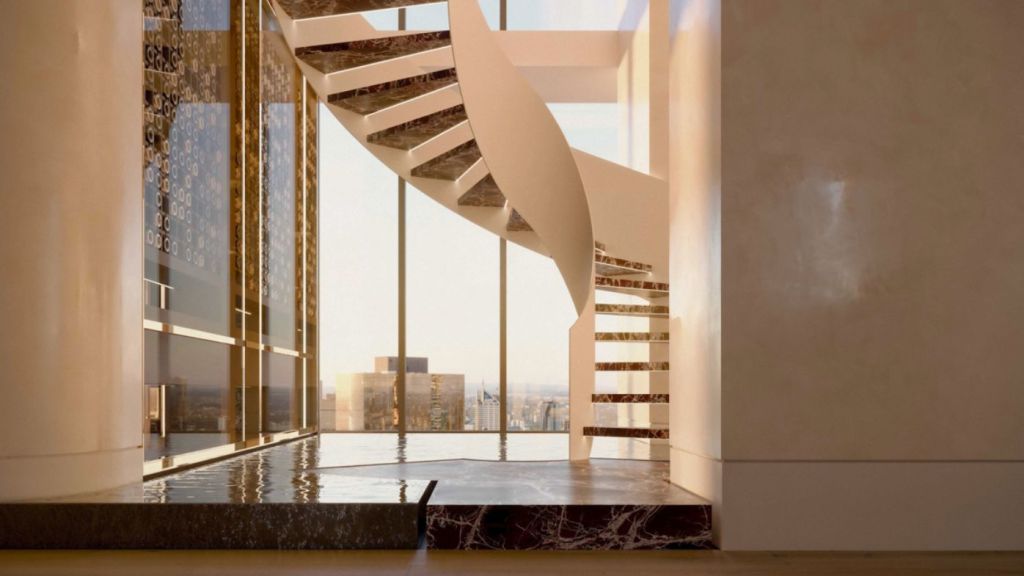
{"x":872,"y":193}
{"x":695,"y":173}
{"x":873,"y":246}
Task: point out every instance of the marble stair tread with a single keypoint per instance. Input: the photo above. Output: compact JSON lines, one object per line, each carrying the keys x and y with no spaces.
{"x":329,"y":58}
{"x":622,"y":432}
{"x":484,"y":193}
{"x":631,"y":366}
{"x":516,"y":223}
{"x":450,"y":165}
{"x":635,"y":287}
{"x":302,"y":9}
{"x":631,"y":336}
{"x":609,"y":266}
{"x":631,"y":310}
{"x":415,"y":132}
{"x":380,"y":96}
{"x":629,"y":398}
{"x":599,"y":247}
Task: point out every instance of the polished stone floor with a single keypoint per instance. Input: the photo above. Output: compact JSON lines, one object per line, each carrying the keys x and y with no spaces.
{"x":605,"y":482}
{"x":449,"y":491}
{"x":378,"y":468}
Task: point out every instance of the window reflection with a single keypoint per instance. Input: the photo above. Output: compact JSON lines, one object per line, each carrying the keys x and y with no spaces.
{"x":190,"y":114}
{"x":189,"y":404}
{"x":209,"y":383}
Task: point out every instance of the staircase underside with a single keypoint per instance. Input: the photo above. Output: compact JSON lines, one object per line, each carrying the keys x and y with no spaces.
{"x":301,"y":9}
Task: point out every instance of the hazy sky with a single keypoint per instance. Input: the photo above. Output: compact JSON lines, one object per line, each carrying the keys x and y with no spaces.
{"x":452,"y":274}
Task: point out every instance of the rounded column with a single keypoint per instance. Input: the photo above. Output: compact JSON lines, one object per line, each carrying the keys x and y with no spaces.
{"x":70,"y":247}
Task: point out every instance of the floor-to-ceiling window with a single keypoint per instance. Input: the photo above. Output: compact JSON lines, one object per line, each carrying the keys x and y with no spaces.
{"x":230,"y":232}
{"x":540,"y":313}
{"x":359,"y":271}
{"x":453,"y":305}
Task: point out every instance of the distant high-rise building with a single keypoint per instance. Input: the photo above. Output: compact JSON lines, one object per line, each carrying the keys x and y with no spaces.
{"x":369,"y":400}
{"x":486,"y":411}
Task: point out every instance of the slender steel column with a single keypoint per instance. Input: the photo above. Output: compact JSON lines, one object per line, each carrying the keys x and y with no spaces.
{"x":503,"y":322}
{"x":400,"y":372}
{"x":503,"y":340}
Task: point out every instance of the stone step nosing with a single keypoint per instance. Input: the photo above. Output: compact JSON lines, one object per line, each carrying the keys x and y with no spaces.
{"x":631,"y":336}
{"x":631,"y":366}
{"x":630,"y":398}
{"x":623,"y":432}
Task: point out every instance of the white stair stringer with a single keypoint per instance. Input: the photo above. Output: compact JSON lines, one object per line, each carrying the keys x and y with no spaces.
{"x":525,"y":149}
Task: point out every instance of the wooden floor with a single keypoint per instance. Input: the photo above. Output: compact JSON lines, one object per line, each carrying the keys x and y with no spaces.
{"x":700,"y":563}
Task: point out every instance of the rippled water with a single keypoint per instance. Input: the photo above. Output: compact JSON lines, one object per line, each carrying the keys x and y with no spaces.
{"x":306,"y":471}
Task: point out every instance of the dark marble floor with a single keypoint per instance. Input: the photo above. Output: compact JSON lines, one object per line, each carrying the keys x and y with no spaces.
{"x":359,"y":491}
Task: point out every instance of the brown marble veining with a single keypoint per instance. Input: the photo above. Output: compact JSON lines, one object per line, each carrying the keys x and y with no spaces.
{"x":630,"y":398}
{"x":450,"y":165}
{"x":516,"y":223}
{"x":551,"y":505}
{"x":609,"y":266}
{"x":329,"y":58}
{"x":636,"y":287}
{"x":568,"y":527}
{"x":370,"y":99}
{"x":300,"y":9}
{"x":415,"y":132}
{"x":631,"y":310}
{"x":613,"y":432}
{"x":484,"y":193}
{"x":631,"y":366}
{"x":631,"y":336}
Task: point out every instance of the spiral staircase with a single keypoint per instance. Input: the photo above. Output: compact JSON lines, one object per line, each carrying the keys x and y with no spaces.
{"x":449,"y":113}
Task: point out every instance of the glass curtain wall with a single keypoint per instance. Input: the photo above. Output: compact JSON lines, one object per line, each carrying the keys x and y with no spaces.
{"x":540,"y":313}
{"x":452,"y":328}
{"x":230,"y":232}
{"x":360,"y":272}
